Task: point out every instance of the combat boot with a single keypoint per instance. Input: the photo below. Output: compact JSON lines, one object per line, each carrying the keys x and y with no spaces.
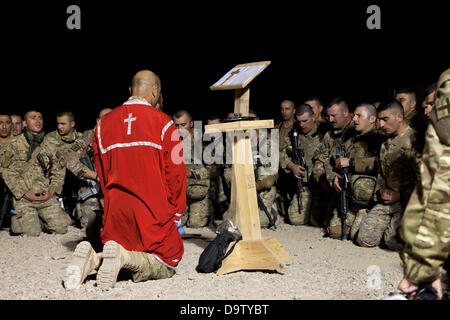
{"x":115,"y":258}
{"x":84,"y":261}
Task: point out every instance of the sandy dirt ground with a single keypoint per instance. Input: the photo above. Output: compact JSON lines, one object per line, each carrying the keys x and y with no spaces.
{"x":320,"y":269}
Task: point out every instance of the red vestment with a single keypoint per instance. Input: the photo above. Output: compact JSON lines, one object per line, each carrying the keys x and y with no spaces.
{"x":139,"y":159}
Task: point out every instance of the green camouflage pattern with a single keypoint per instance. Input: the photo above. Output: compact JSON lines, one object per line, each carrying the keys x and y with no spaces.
{"x":326,"y":151}
{"x":199,"y":208}
{"x":425,"y":226}
{"x":30,"y":218}
{"x":149,"y":267}
{"x":381,"y":222}
{"x":46,"y":173}
{"x":398,"y":164}
{"x":309,"y":142}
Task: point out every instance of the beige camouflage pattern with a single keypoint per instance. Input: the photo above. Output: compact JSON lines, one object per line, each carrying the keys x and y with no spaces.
{"x":309,"y":143}
{"x":45,"y":173}
{"x":150,"y":268}
{"x":425,"y":226}
{"x":199,"y":207}
{"x":30,"y":218}
{"x":362,"y":186}
{"x":398,"y":168}
{"x":327,"y":151}
{"x":398,"y":165}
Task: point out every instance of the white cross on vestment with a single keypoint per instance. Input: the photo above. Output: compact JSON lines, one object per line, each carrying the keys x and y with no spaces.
{"x":129,"y":120}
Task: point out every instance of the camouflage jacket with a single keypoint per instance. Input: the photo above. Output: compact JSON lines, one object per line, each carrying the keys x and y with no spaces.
{"x":47,"y":172}
{"x":398,"y":164}
{"x":326,"y":152}
{"x":71,"y":149}
{"x":3,"y":146}
{"x":309,"y":142}
{"x":194,"y":162}
{"x":284,"y":132}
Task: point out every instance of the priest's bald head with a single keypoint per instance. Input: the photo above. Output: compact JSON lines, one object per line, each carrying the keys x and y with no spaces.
{"x":146,"y":84}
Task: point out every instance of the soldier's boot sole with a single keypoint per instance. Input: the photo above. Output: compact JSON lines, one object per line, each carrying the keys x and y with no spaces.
{"x":84,"y":261}
{"x":112,"y":263}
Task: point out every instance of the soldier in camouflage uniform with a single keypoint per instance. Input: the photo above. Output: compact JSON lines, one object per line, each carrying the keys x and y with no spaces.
{"x":309,"y":138}
{"x":63,"y":140}
{"x":35,"y":174}
{"x":199,"y":209}
{"x":398,"y":171}
{"x":284,"y":194}
{"x":88,"y":208}
{"x":361,"y":152}
{"x":5,"y":132}
{"x":343,"y":133}
{"x":5,"y":194}
{"x":425,"y":226}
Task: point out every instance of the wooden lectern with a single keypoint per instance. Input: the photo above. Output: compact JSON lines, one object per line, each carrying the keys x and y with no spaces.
{"x":252,"y":252}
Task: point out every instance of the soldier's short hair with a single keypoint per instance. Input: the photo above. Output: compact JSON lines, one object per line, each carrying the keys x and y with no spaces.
{"x":5,"y":114}
{"x":34,"y":109}
{"x":394,"y":106}
{"x":16,"y":115}
{"x":304,"y":108}
{"x":370,"y":108}
{"x":408,"y":91}
{"x":181,"y":113}
{"x":340,"y":102}
{"x":313,"y":98}
{"x":66,"y":113}
{"x":430,"y":89}
{"x":290,"y":102}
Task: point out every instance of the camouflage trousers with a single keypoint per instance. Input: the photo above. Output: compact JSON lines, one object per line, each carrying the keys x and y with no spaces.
{"x":300,"y":217}
{"x":381,"y":222}
{"x":268,"y":197}
{"x":30,"y":218}
{"x":355,"y":215}
{"x":198,"y":213}
{"x":150,"y":267}
{"x":425,"y":226}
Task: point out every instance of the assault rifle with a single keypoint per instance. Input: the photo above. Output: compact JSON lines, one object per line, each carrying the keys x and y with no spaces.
{"x":94,"y":187}
{"x":344,"y":183}
{"x":5,"y":202}
{"x":299,"y":158}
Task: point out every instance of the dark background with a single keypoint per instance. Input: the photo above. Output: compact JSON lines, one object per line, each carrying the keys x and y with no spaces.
{"x":316,"y":48}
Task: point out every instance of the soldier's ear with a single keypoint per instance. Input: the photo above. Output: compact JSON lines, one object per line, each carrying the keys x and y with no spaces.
{"x":24,"y":124}
{"x":372,"y":119}
{"x":72,"y":123}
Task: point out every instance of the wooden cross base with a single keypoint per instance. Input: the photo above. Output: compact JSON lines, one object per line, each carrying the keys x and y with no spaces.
{"x":264,"y":254}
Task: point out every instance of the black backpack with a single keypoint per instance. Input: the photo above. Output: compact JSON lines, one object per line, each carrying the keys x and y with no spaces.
{"x":211,"y":258}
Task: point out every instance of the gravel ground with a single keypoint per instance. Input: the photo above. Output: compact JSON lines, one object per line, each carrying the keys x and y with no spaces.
{"x":321,"y":268}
